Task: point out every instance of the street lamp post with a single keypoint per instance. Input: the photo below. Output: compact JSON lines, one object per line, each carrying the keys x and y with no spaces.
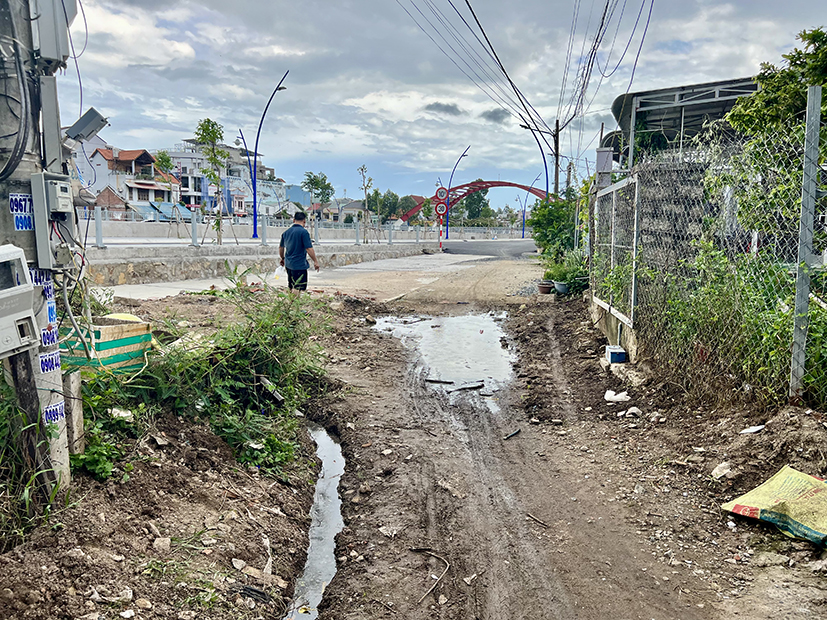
{"x":525,"y":202}
{"x":448,"y":199}
{"x":254,"y":169}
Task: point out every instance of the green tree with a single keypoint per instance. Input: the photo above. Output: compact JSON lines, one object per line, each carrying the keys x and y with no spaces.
{"x":406,"y":203}
{"x":764,"y":175}
{"x":209,"y":135}
{"x":783,"y":93}
{"x":475,"y":202}
{"x":163,"y":162}
{"x":390,"y":203}
{"x":553,"y":225}
{"x":375,"y":201}
{"x":320,"y":188}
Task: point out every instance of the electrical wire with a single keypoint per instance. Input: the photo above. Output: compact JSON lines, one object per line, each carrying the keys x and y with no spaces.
{"x":22,"y":135}
{"x":85,"y":30}
{"x":509,"y":108}
{"x":74,"y":57}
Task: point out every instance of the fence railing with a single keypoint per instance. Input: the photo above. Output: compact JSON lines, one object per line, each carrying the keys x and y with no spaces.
{"x":716,"y":258}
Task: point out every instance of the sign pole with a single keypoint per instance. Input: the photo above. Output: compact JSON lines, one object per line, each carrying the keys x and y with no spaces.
{"x":440,"y":232}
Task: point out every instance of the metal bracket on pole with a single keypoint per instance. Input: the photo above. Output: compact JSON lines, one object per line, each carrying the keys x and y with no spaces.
{"x":805,"y":241}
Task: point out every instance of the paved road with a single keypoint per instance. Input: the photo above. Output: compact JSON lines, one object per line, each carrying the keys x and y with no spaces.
{"x":511,"y":248}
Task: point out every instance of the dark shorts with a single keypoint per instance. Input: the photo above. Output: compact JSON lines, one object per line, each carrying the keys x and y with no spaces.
{"x":297,"y":279}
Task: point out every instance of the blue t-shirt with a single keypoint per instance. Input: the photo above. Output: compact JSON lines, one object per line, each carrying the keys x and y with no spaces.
{"x":296,"y":241}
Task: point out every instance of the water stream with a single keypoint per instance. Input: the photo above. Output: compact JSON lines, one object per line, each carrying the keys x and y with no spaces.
{"x":326,"y":522}
{"x":459,"y":352}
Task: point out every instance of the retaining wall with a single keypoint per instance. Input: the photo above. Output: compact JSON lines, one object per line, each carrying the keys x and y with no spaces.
{"x":115,"y":265}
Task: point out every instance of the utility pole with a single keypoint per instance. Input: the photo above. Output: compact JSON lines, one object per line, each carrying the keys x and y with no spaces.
{"x":37,"y":221}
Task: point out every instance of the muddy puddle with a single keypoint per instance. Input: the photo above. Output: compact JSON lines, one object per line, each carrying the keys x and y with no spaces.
{"x":326,"y":522}
{"x":461,"y":355}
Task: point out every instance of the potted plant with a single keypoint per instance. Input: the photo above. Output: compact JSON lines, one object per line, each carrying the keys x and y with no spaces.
{"x":568,"y":275}
{"x":559,"y":274}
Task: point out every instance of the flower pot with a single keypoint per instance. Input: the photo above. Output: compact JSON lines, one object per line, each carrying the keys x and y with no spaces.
{"x":545,"y":287}
{"x":561,"y":287}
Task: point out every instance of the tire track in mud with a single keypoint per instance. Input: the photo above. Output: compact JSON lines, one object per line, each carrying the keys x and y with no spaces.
{"x":465,"y":493}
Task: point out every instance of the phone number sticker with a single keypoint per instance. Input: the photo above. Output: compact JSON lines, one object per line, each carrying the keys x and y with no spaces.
{"x":54,"y":413}
{"x":48,"y":336}
{"x":49,"y":362}
{"x":40,"y":277}
{"x":20,"y":206}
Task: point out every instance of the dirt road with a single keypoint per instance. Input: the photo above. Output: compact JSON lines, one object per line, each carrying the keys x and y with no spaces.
{"x":487,"y":477}
{"x":576,"y":516}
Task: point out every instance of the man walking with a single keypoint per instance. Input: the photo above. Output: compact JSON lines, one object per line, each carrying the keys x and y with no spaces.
{"x":295,"y":242}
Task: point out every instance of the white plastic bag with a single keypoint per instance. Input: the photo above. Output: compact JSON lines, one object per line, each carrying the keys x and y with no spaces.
{"x":281,"y":272}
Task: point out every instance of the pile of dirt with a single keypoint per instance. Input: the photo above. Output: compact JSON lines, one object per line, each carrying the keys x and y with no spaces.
{"x":184,"y":531}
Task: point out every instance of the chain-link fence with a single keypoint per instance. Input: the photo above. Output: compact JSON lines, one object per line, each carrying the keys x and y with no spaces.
{"x":703,"y":252}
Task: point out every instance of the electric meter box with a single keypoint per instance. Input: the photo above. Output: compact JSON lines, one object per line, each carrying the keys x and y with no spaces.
{"x":54,"y":219}
{"x":51,"y":20}
{"x":18,"y":329}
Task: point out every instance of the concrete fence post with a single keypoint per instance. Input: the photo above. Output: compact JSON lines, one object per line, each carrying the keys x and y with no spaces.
{"x":417,"y":233}
{"x":98,"y":229}
{"x":390,"y":234}
{"x":263,"y":229}
{"x":194,"y":229}
{"x":809,"y":195}
{"x":315,"y":231}
{"x":358,"y":240}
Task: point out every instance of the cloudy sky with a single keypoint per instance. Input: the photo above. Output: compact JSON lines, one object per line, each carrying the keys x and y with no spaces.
{"x":368,"y":86}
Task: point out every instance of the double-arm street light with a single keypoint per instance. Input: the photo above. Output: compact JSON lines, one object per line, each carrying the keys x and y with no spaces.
{"x":448,"y":199}
{"x":254,"y":169}
{"x":525,"y":201}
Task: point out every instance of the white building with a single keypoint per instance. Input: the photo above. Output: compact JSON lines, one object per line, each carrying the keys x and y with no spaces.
{"x":129,"y":174}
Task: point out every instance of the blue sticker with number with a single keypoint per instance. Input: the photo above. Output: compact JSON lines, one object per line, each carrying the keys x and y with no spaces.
{"x":48,"y":336}
{"x":20,"y":207}
{"x":49,"y":290}
{"x":51,"y":311}
{"x":54,"y":413}
{"x":40,"y":277}
{"x":49,"y":362}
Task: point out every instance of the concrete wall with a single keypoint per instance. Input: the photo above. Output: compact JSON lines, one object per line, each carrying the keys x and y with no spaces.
{"x":141,"y":265}
{"x":160,"y":230}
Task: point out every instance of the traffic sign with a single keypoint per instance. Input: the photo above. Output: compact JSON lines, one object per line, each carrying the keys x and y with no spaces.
{"x":441,"y":208}
{"x":441,"y":194}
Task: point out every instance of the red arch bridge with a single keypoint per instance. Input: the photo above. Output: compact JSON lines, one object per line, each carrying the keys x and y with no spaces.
{"x":461,"y":191}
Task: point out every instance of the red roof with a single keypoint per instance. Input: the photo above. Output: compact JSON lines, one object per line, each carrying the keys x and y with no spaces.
{"x":122,"y":155}
{"x":166,"y":178}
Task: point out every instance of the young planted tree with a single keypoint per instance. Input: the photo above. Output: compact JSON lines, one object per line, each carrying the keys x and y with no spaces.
{"x":210,"y":135}
{"x":367,"y":183}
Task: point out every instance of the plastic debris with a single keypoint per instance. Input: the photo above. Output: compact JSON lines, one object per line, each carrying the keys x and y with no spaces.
{"x":721,"y":470}
{"x":752,"y":429}
{"x":792,"y":501}
{"x":614,"y":397}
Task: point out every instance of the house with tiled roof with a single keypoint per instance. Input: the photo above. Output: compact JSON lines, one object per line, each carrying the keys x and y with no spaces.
{"x":129,"y":174}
